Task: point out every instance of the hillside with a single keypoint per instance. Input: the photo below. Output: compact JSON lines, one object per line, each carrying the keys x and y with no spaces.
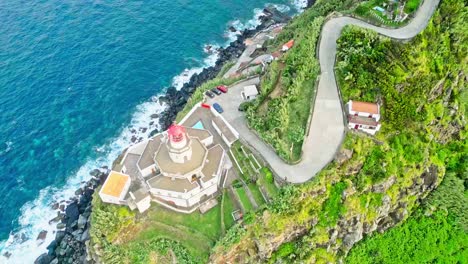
{"x":422,"y":87}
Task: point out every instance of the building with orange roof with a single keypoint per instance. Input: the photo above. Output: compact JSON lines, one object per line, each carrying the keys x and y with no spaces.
{"x":115,"y":188}
{"x":288,"y":45}
{"x":363,"y":116}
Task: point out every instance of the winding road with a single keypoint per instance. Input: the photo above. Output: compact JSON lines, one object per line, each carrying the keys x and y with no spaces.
{"x":327,"y":127}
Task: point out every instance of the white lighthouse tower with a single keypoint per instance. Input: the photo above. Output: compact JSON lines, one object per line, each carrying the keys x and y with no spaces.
{"x":179,"y":145}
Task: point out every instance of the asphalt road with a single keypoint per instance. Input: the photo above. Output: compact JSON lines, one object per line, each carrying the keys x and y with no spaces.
{"x":327,"y":128}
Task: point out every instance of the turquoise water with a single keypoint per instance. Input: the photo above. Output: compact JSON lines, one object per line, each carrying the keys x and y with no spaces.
{"x":198,"y":125}
{"x":75,"y":78}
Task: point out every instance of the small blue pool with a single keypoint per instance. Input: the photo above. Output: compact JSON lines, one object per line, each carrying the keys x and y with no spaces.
{"x":198,"y":125}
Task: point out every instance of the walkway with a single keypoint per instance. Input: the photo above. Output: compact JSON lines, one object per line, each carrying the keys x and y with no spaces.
{"x":327,"y":126}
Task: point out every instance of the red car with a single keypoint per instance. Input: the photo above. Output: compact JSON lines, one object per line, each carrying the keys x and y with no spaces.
{"x":222,"y":88}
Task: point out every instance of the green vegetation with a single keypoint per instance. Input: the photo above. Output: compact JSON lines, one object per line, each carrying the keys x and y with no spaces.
{"x":246,"y":204}
{"x":225,"y":68}
{"x":245,"y":160}
{"x":366,"y":10}
{"x":189,"y":236}
{"x":421,"y":85}
{"x":256,"y":194}
{"x":333,"y":208}
{"x":287,"y":91}
{"x":228,"y":208}
{"x":267,"y":181}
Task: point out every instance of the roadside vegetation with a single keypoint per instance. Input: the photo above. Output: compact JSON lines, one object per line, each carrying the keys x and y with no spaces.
{"x":287,"y":90}
{"x":421,"y":86}
{"x":367,"y":10}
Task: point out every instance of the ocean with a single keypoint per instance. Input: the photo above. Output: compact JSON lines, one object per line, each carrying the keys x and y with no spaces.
{"x":76,"y":77}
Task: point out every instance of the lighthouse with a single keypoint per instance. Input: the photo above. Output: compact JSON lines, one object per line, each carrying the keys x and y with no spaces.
{"x":179,"y":145}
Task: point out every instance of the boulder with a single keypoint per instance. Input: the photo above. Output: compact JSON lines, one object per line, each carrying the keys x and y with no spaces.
{"x":72,"y":213}
{"x":94,"y":172}
{"x":41,"y":237}
{"x":343,"y":156}
{"x":61,"y":226}
{"x":51,"y":247}
{"x":82,"y":222}
{"x":85,"y":236}
{"x":43,"y":259}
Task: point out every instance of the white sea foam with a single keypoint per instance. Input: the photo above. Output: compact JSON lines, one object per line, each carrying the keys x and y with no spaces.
{"x":35,"y":215}
{"x":179,"y":80}
{"x":282,"y":8}
{"x":300,"y":5}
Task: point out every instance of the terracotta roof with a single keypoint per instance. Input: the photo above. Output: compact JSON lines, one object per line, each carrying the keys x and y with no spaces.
{"x":115,"y":184}
{"x":365,"y":107}
{"x":289,"y":44}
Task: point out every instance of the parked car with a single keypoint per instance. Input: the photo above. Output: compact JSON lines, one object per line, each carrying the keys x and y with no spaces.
{"x":210,"y":94}
{"x":216,"y":91}
{"x":218,"y":108}
{"x":222,"y":88}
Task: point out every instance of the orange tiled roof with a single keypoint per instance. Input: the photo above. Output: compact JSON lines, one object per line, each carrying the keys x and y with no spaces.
{"x":115,"y":184}
{"x":365,"y":107}
{"x":289,"y":44}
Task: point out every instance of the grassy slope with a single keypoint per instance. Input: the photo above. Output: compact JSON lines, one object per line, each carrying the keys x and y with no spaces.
{"x":424,"y":125}
{"x":280,"y":117}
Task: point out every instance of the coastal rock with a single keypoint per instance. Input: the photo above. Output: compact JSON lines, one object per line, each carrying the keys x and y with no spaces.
{"x":51,"y":248}
{"x":85,"y":236}
{"x":95,"y":172}
{"x":41,"y":237}
{"x":82,"y":222}
{"x":55,"y":206}
{"x":232,"y":29}
{"x":7,"y":254}
{"x":72,"y":213}
{"x":61,"y":226}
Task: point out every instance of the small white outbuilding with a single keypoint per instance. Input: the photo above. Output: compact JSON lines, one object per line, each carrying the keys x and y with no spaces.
{"x":250,"y":92}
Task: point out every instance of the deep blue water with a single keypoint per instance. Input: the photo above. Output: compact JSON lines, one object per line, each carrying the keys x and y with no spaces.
{"x":73,"y":75}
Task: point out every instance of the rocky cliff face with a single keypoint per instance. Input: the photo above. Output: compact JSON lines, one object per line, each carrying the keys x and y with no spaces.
{"x":351,"y":227}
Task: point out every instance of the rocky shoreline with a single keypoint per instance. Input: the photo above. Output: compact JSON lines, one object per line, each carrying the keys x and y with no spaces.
{"x":176,"y":99}
{"x":73,"y":216}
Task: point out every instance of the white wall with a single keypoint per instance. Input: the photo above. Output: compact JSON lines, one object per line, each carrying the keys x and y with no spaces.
{"x":144,"y":204}
{"x":147,"y":171}
{"x":207,"y":141}
{"x":365,"y":128}
{"x":185,"y":199}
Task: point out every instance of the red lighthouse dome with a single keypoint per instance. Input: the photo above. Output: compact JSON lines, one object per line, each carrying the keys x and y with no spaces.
{"x":176,"y":133}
